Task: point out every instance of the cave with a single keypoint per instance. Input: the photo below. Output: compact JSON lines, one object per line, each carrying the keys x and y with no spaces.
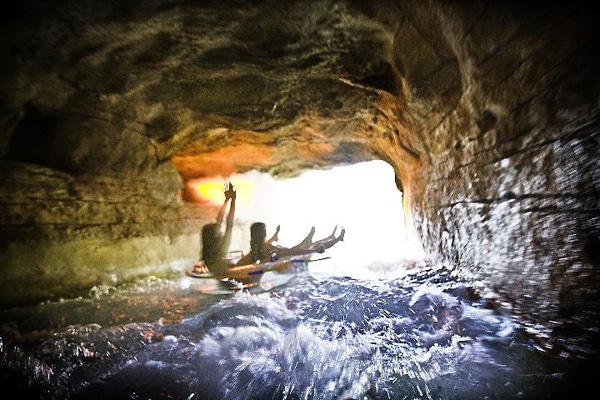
{"x":486,"y":114}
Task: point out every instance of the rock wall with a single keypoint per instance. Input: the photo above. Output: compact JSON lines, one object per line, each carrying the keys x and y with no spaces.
{"x":510,"y":192}
{"x":61,"y":234}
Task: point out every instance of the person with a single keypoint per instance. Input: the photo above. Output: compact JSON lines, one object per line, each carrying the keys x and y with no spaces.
{"x":216,"y":238}
{"x":263,"y":250}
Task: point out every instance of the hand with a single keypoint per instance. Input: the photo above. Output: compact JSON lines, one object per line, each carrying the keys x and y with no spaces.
{"x":200,"y":268}
{"x":229,"y":191}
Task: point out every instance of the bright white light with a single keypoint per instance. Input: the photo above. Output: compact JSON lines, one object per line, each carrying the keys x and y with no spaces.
{"x":362,"y":198}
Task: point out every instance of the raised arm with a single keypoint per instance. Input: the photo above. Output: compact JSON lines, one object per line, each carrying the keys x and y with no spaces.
{"x":275,"y":236}
{"x":221,"y":214}
{"x":229,"y":194}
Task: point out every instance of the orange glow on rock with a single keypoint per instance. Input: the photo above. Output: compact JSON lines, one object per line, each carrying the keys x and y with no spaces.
{"x":222,"y":162}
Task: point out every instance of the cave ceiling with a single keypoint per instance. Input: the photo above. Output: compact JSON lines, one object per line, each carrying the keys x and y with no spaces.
{"x":214,"y":87}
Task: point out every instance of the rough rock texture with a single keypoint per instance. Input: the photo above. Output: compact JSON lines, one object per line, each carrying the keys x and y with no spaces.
{"x":488,"y":111}
{"x":511,"y":189}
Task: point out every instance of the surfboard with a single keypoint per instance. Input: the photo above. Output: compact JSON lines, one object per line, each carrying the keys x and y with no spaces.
{"x":249,"y":271}
{"x":252,"y":276}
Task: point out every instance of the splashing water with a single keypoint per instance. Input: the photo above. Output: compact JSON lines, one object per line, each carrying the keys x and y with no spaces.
{"x":421,"y":336}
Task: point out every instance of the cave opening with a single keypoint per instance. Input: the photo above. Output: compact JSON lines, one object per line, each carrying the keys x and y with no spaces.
{"x":361,"y":198}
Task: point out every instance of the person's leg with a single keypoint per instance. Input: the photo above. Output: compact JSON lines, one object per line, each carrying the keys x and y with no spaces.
{"x":332,"y":235}
{"x":307,"y":241}
{"x":327,"y":242}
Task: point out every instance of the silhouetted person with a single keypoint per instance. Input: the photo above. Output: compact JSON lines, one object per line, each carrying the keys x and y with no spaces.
{"x":216,"y":238}
{"x":263,"y":250}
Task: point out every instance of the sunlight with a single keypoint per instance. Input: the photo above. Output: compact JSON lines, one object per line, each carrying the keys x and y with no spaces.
{"x":361,"y":198}
{"x":212,"y":190}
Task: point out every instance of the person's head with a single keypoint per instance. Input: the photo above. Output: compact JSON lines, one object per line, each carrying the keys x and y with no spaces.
{"x":211,"y":237}
{"x":258,"y":232}
{"x":258,"y":236}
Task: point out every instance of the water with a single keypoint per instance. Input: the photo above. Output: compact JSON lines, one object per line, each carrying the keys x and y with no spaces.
{"x":423,"y":335}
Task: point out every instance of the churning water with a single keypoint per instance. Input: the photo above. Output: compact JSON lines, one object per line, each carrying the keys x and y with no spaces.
{"x":424,"y":335}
